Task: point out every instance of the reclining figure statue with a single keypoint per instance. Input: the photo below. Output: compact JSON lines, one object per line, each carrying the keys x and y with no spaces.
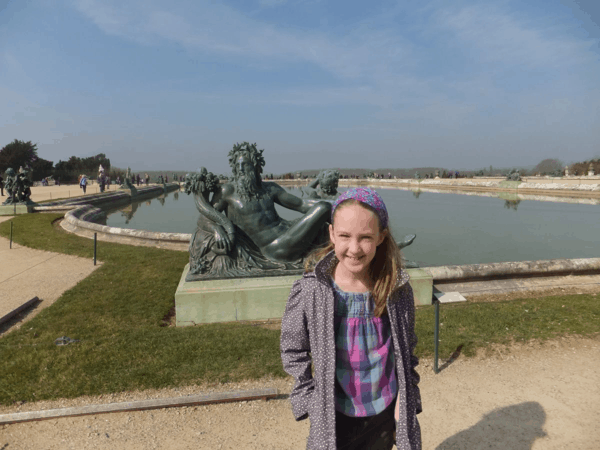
{"x":324,"y":186}
{"x":239,"y":233}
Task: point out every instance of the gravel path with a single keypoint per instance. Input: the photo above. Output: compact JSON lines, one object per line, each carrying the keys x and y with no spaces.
{"x":534,"y":396}
{"x":26,"y":273}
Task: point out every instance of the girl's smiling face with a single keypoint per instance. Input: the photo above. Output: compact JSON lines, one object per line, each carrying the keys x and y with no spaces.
{"x":356,"y":236}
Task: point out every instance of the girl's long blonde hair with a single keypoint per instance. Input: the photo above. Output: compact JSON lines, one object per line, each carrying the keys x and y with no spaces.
{"x":385,"y":265}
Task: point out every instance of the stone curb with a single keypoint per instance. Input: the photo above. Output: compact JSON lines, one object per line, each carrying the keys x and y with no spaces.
{"x":521,"y":269}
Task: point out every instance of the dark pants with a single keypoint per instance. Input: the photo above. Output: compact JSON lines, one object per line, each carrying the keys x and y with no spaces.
{"x":373,"y":433}
{"x":83,"y":186}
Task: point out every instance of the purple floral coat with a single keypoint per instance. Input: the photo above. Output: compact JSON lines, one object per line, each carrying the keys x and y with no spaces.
{"x":307,"y":337}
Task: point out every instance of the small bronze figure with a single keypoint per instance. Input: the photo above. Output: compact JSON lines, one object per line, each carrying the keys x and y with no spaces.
{"x":18,"y":187}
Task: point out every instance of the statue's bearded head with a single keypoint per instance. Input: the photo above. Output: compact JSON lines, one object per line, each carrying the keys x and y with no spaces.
{"x":246,"y":164}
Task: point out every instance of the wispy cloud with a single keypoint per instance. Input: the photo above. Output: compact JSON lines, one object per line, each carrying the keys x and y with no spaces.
{"x":407,"y":73}
{"x":220,"y":29}
{"x":499,"y":36}
{"x":271,"y":3}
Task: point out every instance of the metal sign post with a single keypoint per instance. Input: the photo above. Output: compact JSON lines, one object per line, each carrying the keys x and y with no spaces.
{"x":441,"y":297}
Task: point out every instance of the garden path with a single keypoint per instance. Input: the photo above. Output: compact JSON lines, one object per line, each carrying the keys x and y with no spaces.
{"x":26,"y":273}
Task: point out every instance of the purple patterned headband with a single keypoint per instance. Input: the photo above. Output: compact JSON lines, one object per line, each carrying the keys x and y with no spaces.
{"x":367,"y":196}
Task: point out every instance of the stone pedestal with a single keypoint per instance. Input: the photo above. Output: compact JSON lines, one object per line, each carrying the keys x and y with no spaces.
{"x":11,"y":210}
{"x":510,"y":184}
{"x":421,"y":282}
{"x":231,"y":299}
{"x":131,"y":191}
{"x":255,"y":298}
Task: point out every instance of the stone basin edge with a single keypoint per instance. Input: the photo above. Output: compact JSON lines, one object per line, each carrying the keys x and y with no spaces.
{"x":82,"y":215}
{"x":79,"y":220}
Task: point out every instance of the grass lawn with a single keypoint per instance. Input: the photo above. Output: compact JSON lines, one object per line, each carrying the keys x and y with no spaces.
{"x":117,"y":315}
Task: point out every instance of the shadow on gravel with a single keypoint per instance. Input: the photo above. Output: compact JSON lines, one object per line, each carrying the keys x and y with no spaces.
{"x":452,"y":358}
{"x":514,"y":427}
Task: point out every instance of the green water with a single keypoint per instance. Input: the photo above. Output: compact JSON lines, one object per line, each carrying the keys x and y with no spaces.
{"x":451,"y":228}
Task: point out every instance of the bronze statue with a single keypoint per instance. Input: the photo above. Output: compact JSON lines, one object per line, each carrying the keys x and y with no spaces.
{"x":239,"y":232}
{"x":128,"y":182}
{"x":18,"y":187}
{"x":513,"y":175}
{"x":324,"y":186}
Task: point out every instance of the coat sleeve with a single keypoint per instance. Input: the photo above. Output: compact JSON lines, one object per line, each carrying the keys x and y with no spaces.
{"x":412,"y":336}
{"x":295,"y":348}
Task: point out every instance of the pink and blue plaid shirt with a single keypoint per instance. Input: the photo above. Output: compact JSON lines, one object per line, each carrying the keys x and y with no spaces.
{"x":365,"y":375}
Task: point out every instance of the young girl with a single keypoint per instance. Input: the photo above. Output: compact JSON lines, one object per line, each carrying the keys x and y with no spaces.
{"x":351,"y":318}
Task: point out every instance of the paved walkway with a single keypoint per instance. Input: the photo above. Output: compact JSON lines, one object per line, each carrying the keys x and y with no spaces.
{"x":41,"y":193}
{"x":26,"y":273}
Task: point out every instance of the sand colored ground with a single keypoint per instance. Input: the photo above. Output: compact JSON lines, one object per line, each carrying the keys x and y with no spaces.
{"x":41,"y":193}
{"x":528,"y":397}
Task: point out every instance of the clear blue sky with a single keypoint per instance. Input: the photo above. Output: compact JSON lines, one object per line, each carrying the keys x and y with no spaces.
{"x":172,"y":85}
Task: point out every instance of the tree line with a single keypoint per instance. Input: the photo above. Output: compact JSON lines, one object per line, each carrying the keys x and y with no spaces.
{"x":23,"y":154}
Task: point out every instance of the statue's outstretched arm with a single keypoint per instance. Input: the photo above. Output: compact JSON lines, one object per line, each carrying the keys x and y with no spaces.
{"x":313,"y":184}
{"x":290,"y":201}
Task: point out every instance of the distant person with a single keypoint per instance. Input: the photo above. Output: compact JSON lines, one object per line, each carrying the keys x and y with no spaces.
{"x":166,"y":178}
{"x":147,"y":179}
{"x":57,"y":181}
{"x":83,"y":183}
{"x":2,"y":186}
{"x":138,"y":179}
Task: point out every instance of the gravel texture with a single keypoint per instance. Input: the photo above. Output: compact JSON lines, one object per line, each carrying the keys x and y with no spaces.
{"x":533,"y":396}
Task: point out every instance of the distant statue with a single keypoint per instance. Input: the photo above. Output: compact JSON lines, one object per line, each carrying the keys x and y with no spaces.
{"x":437,"y":174}
{"x":566,"y":171}
{"x":513,"y":175}
{"x":591,"y":170}
{"x":239,"y":232}
{"x":18,"y":187}
{"x":128,"y":182}
{"x":100,"y":171}
{"x":324,"y":186}
{"x":417,"y":176}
